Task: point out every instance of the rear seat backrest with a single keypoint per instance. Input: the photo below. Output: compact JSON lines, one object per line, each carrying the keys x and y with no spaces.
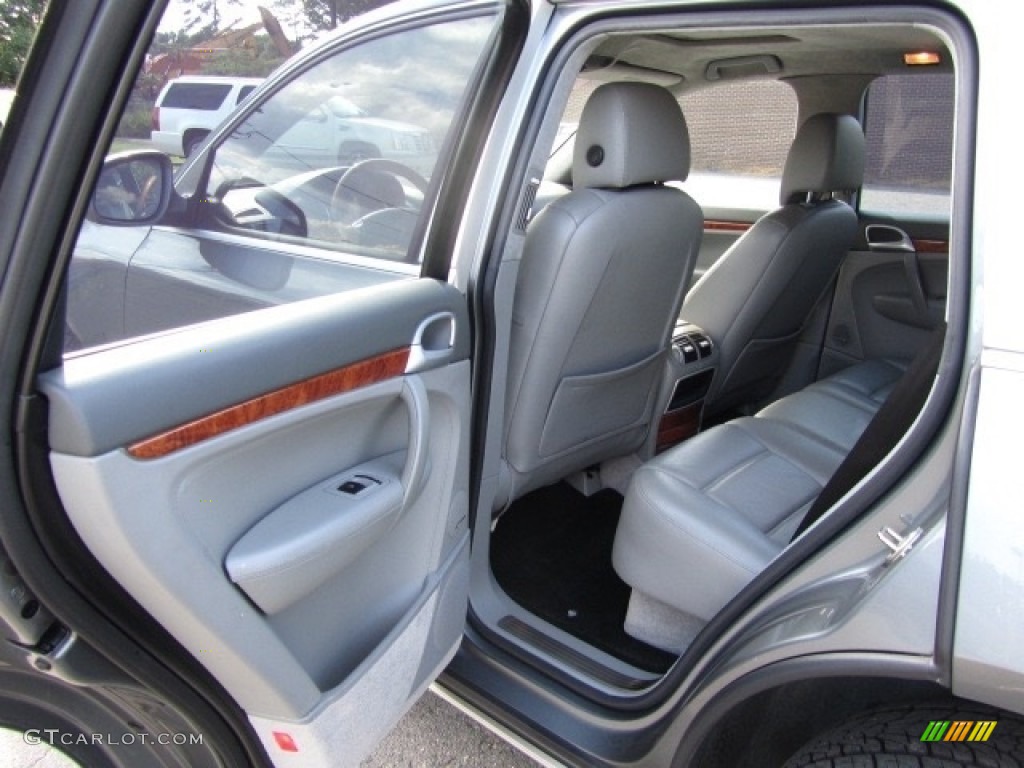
{"x":756,"y":298}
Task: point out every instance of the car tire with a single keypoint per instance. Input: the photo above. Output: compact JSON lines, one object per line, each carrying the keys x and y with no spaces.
{"x":893,"y":737}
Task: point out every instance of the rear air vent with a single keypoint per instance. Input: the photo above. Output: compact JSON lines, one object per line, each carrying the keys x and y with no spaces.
{"x":687,"y":350}
{"x":693,"y":345}
{"x":703,"y":343}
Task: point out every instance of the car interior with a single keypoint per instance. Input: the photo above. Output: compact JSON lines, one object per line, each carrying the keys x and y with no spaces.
{"x":690,"y":384}
{"x":720,"y":263}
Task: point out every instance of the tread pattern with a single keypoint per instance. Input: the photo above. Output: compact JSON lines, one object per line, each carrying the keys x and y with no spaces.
{"x":891,"y":738}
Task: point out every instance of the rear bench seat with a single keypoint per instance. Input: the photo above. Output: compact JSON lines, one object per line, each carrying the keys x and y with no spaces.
{"x":702,"y":519}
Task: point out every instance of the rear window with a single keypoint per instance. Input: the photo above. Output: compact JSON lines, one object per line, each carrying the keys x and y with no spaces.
{"x":739,"y":137}
{"x":909,"y":130}
{"x":245,"y":91}
{"x":740,"y":134}
{"x":207,"y":96}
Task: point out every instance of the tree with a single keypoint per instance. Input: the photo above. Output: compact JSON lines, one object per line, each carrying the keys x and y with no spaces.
{"x":258,"y":61}
{"x":167,"y":42}
{"x":328,"y":14}
{"x":18,"y":22}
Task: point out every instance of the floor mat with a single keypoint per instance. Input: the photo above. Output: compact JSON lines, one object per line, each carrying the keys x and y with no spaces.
{"x":551,"y":553}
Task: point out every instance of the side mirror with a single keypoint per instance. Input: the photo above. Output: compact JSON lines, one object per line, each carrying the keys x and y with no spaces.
{"x":134,"y":188}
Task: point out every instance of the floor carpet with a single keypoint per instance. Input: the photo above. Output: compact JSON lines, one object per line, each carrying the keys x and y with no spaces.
{"x":551,"y":553}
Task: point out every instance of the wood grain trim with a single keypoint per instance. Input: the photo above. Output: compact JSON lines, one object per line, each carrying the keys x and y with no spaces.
{"x":931,"y":246}
{"x":715,"y":225}
{"x":676,"y":426}
{"x":361,"y":374}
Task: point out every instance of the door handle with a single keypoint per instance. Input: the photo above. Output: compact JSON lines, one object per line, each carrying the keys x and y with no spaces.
{"x":414,"y":395}
{"x":885,"y":237}
{"x":432,"y":343}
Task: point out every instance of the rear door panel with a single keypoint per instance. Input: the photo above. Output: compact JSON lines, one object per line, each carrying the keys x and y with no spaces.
{"x":205,"y":470}
{"x":892,"y":290}
{"x":888,"y":299}
{"x":285,"y":489}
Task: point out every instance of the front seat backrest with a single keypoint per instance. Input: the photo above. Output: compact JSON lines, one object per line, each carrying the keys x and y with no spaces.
{"x":756,"y":298}
{"x":599,"y":290}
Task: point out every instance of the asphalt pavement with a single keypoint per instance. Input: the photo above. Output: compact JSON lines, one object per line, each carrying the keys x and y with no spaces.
{"x":434,"y":733}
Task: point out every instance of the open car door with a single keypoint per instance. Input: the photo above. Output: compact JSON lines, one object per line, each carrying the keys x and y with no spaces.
{"x":285,"y":490}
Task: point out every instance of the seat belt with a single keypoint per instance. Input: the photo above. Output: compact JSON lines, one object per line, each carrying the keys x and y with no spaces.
{"x":882,"y":433}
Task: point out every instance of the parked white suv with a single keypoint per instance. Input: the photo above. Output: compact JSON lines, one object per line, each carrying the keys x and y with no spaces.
{"x":189,"y":107}
{"x":343,"y":133}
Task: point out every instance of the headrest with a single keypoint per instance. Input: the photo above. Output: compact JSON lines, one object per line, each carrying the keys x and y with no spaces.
{"x":630,"y":133}
{"x":827,"y":156}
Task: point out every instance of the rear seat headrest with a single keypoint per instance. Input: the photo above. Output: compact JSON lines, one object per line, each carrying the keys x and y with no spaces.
{"x":827,"y":155}
{"x":630,"y":133}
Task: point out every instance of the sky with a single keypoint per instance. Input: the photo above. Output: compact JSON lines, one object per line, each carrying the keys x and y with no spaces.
{"x":174,"y":15}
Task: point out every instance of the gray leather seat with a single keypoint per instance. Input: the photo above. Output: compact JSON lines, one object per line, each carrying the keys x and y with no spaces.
{"x":702,"y":519}
{"x":599,"y":290}
{"x":757,"y":297}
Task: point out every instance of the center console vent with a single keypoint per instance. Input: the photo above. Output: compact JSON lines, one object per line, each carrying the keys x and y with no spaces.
{"x":693,"y":345}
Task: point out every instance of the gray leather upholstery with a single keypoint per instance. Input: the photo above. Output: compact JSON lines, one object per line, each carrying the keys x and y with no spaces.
{"x":702,"y":519}
{"x":599,"y":290}
{"x":827,"y":155}
{"x":756,"y":298}
{"x":630,"y":133}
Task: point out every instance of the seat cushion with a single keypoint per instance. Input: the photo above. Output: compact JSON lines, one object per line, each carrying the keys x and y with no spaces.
{"x":702,"y":519}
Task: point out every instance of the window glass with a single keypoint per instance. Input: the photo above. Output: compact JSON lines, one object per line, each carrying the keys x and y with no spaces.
{"x":352,"y":142}
{"x":739,"y":137}
{"x":196,"y":95}
{"x":909,"y":158}
{"x":320,"y":187}
{"x":740,"y":134}
{"x":244,"y":91}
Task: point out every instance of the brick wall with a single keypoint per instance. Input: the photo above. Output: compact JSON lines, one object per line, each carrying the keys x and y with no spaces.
{"x":741,"y":128}
{"x":746,"y":128}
